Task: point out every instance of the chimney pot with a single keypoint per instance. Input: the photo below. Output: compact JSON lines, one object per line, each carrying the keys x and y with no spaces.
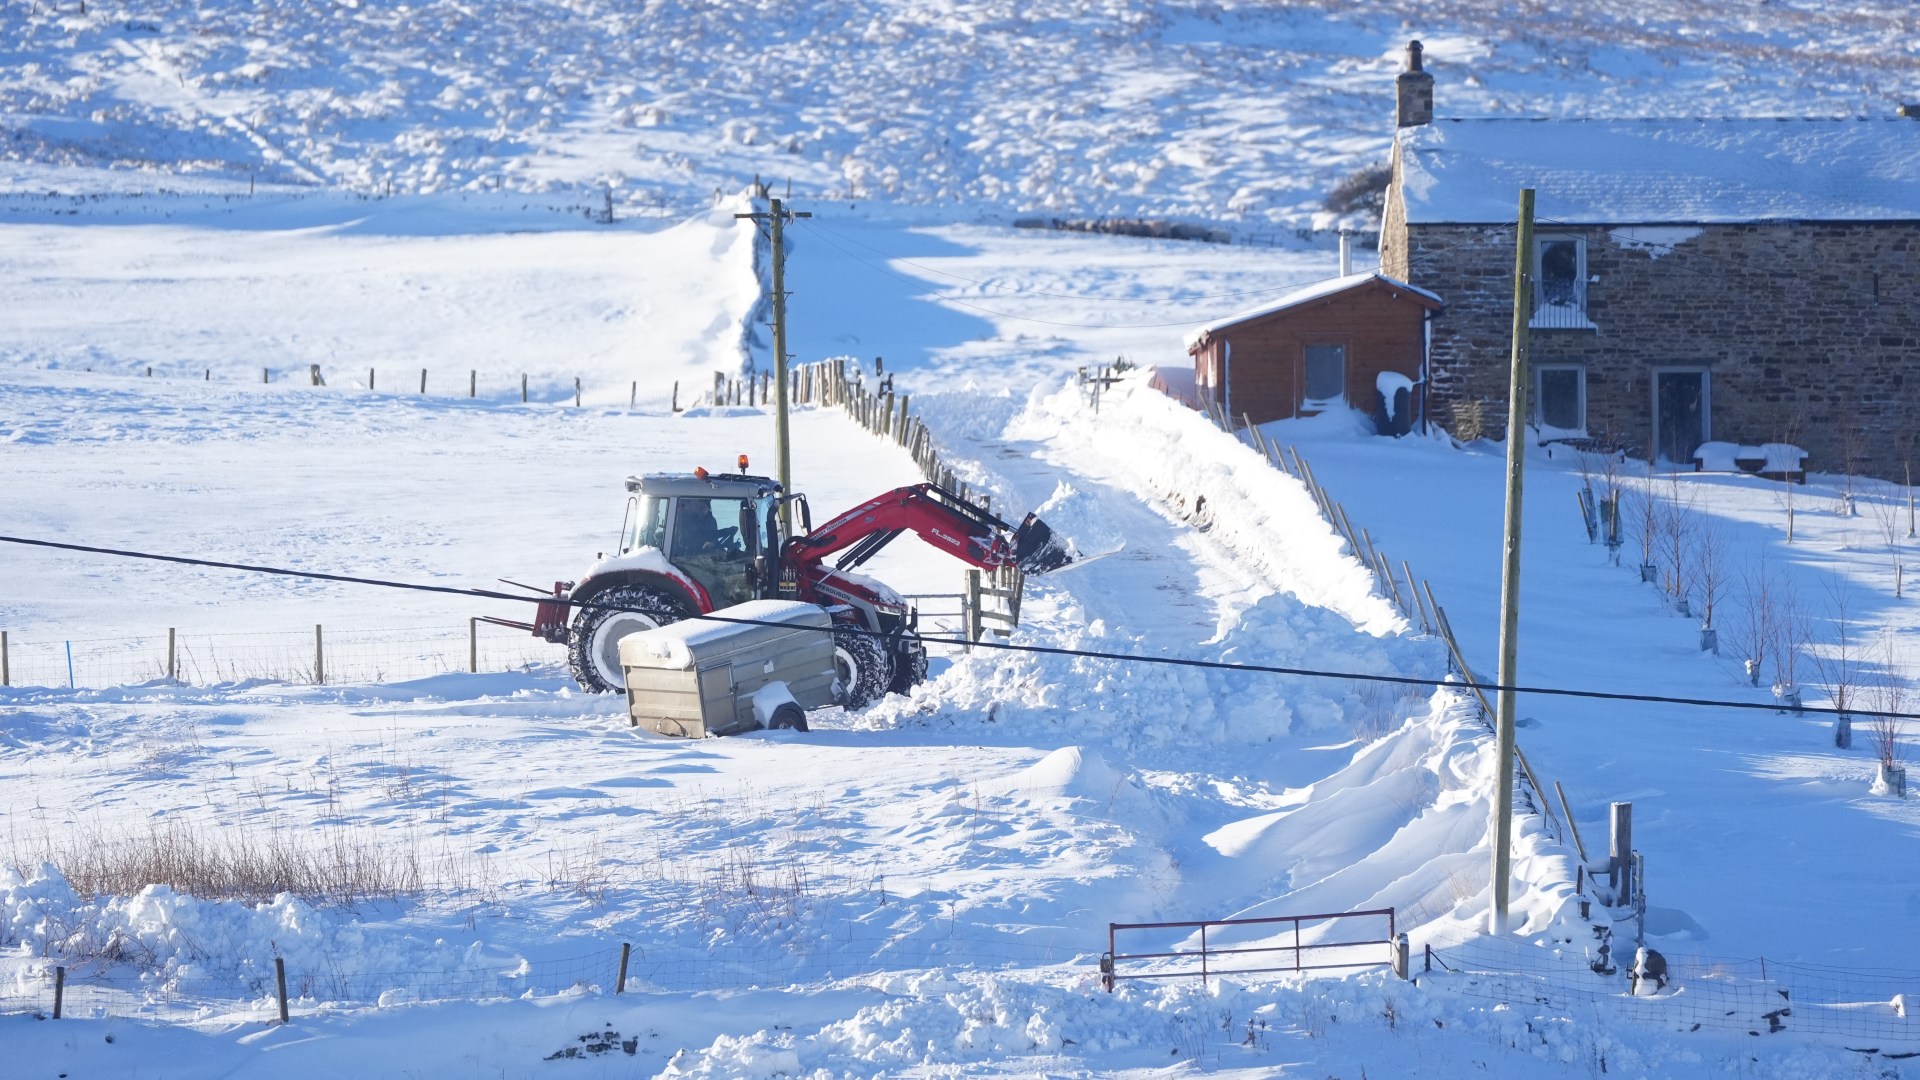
{"x":1910,"y":111}
{"x":1414,"y":49}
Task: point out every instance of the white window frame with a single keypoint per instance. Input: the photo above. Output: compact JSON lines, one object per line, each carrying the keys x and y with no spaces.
{"x":1540,"y":406}
{"x":1560,"y":316}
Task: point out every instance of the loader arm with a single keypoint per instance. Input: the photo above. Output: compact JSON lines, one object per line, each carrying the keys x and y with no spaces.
{"x":960,"y":528}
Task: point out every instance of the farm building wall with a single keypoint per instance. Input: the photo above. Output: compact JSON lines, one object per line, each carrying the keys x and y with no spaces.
{"x":1807,"y":333}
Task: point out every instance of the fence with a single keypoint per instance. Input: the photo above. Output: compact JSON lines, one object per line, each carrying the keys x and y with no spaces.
{"x":1326,"y":954}
{"x":270,"y":989}
{"x":1756,"y":995}
{"x":318,"y":655}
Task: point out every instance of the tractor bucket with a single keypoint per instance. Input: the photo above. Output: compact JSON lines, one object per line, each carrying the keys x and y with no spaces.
{"x":1037,"y":550}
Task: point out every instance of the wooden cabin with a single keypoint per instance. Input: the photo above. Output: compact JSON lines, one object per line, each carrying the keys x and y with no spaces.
{"x":1353,"y":342}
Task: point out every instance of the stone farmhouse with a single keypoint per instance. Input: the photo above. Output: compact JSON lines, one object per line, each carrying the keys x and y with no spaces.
{"x":1744,"y":281}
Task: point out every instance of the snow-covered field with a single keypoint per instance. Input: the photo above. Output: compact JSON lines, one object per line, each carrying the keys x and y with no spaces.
{"x":199,"y":204}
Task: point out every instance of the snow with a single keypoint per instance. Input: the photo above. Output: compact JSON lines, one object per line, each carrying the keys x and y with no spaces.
{"x":923,"y":887}
{"x":1655,"y":171}
{"x":1390,"y":384}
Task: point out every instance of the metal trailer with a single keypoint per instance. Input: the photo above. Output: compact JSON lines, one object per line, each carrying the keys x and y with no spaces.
{"x":698,"y":677}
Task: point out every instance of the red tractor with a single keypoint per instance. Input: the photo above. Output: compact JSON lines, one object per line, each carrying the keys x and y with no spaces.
{"x":694,"y":542}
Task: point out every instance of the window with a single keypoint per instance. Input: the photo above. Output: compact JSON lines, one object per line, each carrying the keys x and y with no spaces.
{"x":1560,"y":284}
{"x":1325,"y":384}
{"x":1560,"y":400}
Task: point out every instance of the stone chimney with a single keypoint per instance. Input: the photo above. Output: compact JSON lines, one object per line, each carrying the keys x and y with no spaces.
{"x":1414,"y":104}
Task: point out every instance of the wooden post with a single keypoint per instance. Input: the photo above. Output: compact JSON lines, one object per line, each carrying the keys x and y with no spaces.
{"x":266,"y":375}
{"x":676,"y":395}
{"x":473,"y":383}
{"x":423,"y":380}
{"x":369,"y":378}
{"x":576,"y":391}
{"x":209,"y":376}
{"x":901,"y":427}
{"x":319,"y":657}
{"x":886,"y":420}
{"x":973,"y":605}
{"x":313,"y":373}
{"x":1620,"y":852}
{"x":523,"y":388}
{"x":280,"y":984}
{"x":473,"y":646}
{"x":1510,"y":568}
{"x":59,"y":991}
{"x":626,"y":951}
{"x":172,"y":667}
{"x":633,"y":395}
{"x":1418,"y":601}
{"x":6,"y":672}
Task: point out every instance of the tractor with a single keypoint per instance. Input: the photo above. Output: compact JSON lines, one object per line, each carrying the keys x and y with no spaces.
{"x":693,"y":543}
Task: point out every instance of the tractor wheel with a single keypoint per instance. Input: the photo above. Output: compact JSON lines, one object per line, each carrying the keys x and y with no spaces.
{"x":909,"y":665}
{"x":787,"y":716}
{"x":862,"y":670}
{"x":593,"y":645}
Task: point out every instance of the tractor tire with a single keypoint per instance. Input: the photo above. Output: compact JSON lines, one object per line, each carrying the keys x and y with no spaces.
{"x":862,"y":670}
{"x":788,"y":717}
{"x":909,"y":665}
{"x":593,"y":643}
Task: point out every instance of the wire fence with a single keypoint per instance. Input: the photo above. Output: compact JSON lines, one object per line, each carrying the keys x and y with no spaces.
{"x":1696,"y":993}
{"x":253,"y":991}
{"x":319,"y":655}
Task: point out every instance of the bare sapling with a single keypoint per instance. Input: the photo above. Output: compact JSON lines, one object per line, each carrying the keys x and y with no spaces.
{"x":1757,"y":620}
{"x":1886,"y":521}
{"x":1886,"y":699}
{"x":1838,"y":666}
{"x":1788,"y":638}
{"x":1610,"y":505}
{"x":1679,"y":521}
{"x":1643,"y":521}
{"x":1709,"y":580}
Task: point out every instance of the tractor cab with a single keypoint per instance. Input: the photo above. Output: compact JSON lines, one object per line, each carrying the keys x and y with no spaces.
{"x":721,"y":530}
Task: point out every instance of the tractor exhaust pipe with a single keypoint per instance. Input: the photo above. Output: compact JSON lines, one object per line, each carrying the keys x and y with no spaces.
{"x":1037,"y":550}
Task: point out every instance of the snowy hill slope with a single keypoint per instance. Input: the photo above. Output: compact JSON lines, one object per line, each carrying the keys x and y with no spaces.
{"x":1198,"y":109}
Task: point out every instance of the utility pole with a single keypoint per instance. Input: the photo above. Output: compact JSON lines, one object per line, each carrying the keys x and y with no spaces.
{"x":1510,"y":567}
{"x":776,"y":217}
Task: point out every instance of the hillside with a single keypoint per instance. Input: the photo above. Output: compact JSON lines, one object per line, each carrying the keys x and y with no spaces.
{"x":1237,"y":113}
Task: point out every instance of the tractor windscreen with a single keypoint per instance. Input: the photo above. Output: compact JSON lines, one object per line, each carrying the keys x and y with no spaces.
{"x":649,"y":525}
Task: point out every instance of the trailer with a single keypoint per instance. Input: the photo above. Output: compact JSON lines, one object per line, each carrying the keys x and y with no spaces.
{"x":701,"y":677}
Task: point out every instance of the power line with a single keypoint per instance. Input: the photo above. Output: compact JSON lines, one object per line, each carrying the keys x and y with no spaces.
{"x":1044,"y":650}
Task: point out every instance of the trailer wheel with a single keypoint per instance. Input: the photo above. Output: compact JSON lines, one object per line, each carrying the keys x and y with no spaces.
{"x":593,"y":644}
{"x":909,"y":665}
{"x":862,"y":670}
{"x":787,"y":716}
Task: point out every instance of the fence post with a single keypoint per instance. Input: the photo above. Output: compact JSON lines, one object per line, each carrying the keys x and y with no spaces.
{"x":633,"y":395}
{"x":280,"y":984}
{"x":266,"y":375}
{"x":313,"y":372}
{"x":576,"y":391}
{"x":423,"y":380}
{"x":1620,"y":853}
{"x":626,"y":950}
{"x":523,"y":388}
{"x":319,"y":658}
{"x":369,"y":378}
{"x":676,"y":395}
{"x":6,"y":672}
{"x":473,"y":646}
{"x":973,"y":606}
{"x":1400,"y":959}
{"x":172,"y":666}
{"x":473,"y":383}
{"x":59,"y":991}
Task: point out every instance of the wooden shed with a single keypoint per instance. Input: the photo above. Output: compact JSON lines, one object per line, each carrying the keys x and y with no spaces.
{"x":1356,"y":342}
